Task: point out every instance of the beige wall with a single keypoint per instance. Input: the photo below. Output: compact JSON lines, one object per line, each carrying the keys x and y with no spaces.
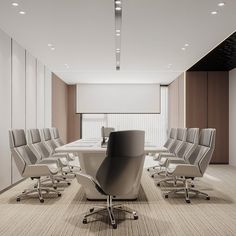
{"x":232,"y":117}
{"x":59,"y":106}
{"x":73,"y":124}
{"x":64,"y":115}
{"x":176,"y":102}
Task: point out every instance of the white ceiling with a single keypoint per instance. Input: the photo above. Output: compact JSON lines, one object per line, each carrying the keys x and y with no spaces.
{"x":153,"y":33}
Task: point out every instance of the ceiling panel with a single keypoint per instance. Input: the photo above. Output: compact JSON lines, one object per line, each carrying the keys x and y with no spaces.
{"x":153,"y":33}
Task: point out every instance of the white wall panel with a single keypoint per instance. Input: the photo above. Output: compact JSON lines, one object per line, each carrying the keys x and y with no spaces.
{"x":31,"y":92}
{"x":232,"y":117}
{"x":18,"y":95}
{"x":5,"y":107}
{"x":40,"y":95}
{"x":118,"y":98}
{"x":48,"y":98}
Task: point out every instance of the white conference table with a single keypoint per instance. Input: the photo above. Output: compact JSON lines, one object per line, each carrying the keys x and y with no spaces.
{"x":91,"y":154}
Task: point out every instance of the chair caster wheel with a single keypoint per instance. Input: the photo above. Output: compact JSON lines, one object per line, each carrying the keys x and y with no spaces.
{"x":91,"y":210}
{"x":152,"y":176}
{"x":135,"y":217}
{"x":18,"y":199}
{"x":55,"y":187}
{"x":188,"y":201}
{"x":192,"y":185}
{"x":208,"y":198}
{"x":166,"y":196}
{"x":58,"y":181}
{"x":148,"y":169}
{"x":41,"y":200}
{"x":158,"y":184}
{"x":64,"y":178}
{"x":85,"y":221}
{"x":114,"y":226}
{"x":68,"y":184}
{"x":59,"y":194}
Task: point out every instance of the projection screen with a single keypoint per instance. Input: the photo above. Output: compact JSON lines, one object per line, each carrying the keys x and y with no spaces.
{"x":118,"y":98}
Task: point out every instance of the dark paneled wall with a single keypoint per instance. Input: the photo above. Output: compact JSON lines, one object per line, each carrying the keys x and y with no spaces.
{"x":207,"y":105}
{"x":196,"y":99}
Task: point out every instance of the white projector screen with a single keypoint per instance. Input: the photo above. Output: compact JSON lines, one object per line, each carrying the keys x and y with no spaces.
{"x":118,"y":98}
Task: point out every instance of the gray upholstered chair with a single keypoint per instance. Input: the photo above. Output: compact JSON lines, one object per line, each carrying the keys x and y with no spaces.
{"x":182,"y":155}
{"x":42,"y":152}
{"x":52,"y":145}
{"x":105,"y":132}
{"x":58,"y":141}
{"x":176,"y":145}
{"x":200,"y":159}
{"x":29,"y":166}
{"x":119,"y":170}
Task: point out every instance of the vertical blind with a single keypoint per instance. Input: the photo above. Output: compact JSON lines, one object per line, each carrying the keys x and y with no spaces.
{"x":154,"y":125}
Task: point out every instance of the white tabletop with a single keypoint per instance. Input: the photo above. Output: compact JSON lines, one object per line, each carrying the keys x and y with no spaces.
{"x":94,"y":145}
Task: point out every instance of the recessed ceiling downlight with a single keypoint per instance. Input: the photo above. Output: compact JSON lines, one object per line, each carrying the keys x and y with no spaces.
{"x":22,"y":12}
{"x":15,"y":4}
{"x":221,"y":4}
{"x":214,"y":12}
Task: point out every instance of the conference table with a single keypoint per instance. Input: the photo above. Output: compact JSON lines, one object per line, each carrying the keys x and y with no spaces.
{"x":91,"y":154}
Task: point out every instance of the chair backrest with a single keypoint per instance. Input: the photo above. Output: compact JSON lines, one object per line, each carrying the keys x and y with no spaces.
{"x":202,"y":155}
{"x":190,"y":144}
{"x":20,"y":151}
{"x":105,"y":131}
{"x":36,"y":144}
{"x":47,"y":138}
{"x":123,"y":164}
{"x":180,"y":139}
{"x":172,"y":136}
{"x":56,"y":136}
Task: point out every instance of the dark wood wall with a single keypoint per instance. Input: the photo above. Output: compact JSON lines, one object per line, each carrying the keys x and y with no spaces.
{"x":207,"y":106}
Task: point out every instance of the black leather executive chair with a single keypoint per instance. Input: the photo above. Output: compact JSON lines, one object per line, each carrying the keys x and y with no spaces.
{"x":119,"y":171}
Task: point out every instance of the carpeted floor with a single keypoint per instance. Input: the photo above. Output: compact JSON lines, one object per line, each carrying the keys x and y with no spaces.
{"x":157,"y":216}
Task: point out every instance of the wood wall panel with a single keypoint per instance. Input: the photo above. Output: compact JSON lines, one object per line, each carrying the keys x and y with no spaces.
{"x":218,"y":113}
{"x":73,"y":125}
{"x":48,"y":98}
{"x":196,"y":99}
{"x":5,"y":107}
{"x":59,"y":106}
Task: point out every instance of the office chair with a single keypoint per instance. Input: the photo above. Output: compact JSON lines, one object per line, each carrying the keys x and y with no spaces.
{"x":105,"y":132}
{"x":183,"y":154}
{"x":29,"y":166}
{"x":119,"y":171}
{"x":177,"y":144}
{"x":47,"y":139}
{"x":200,"y":158}
{"x":169,"y":142}
{"x":58,"y":141}
{"x":42,"y":152}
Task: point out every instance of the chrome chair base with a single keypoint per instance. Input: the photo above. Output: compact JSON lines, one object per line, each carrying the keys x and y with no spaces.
{"x":110,"y":208}
{"x":187,"y":190}
{"x":39,"y":189}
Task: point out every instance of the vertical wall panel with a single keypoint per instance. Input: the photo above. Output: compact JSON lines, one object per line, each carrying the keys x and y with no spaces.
{"x":218,"y":113}
{"x":48,"y":98}
{"x":173,"y":111}
{"x":40,"y":95}
{"x":5,"y":107}
{"x":31,"y":92}
{"x":18,"y":95}
{"x":196,"y":99}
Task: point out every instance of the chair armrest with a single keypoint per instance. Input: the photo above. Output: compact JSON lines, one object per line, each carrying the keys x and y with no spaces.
{"x":176,"y":160}
{"x":187,"y":170}
{"x":39,"y":170}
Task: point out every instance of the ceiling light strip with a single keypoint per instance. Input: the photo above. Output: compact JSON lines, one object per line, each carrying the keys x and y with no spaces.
{"x":118,"y":23}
